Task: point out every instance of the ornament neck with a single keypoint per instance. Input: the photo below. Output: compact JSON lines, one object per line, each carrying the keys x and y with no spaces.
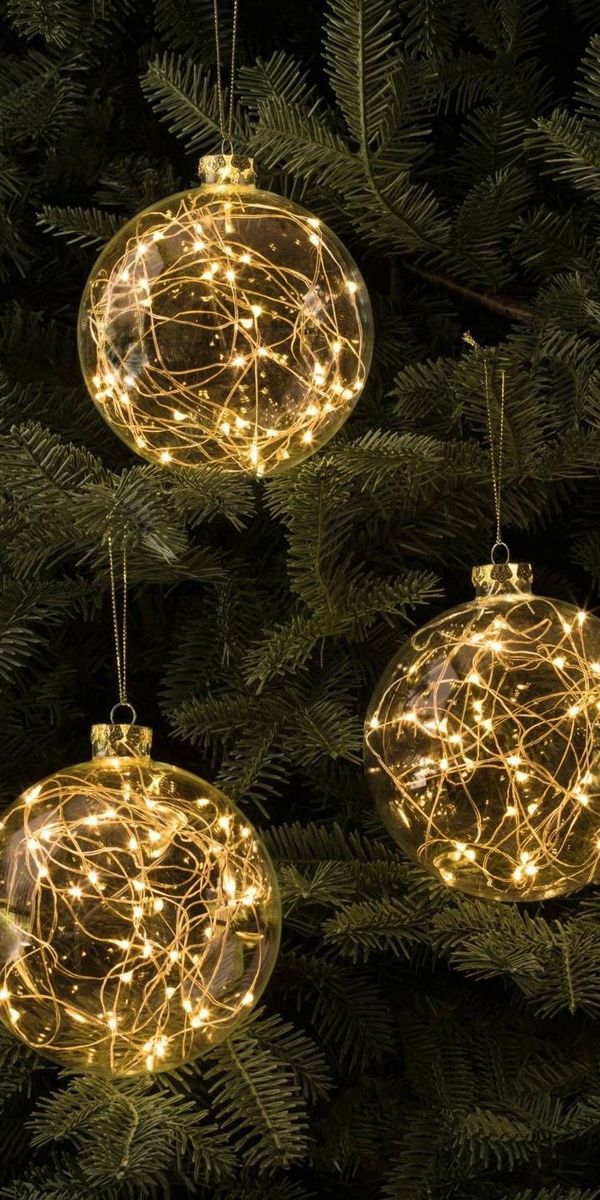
{"x":121,"y":741}
{"x":498,"y":579}
{"x":227,"y":170}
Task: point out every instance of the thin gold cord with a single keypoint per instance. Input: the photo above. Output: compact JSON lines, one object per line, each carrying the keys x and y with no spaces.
{"x":120,"y":635}
{"x":232,"y":78}
{"x":496,"y":451}
{"x":226,"y":129}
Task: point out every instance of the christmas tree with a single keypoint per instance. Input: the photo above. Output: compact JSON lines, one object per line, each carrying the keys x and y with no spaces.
{"x":413,"y":1044}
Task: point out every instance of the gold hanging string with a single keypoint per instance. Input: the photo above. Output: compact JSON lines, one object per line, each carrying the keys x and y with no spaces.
{"x":226,"y":127}
{"x":496,"y":457}
{"x":120,"y":632}
{"x":496,"y":447}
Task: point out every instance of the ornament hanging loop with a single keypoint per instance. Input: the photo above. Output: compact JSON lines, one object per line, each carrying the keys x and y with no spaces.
{"x":500,"y":554}
{"x":120,"y":628}
{"x":123,"y":704}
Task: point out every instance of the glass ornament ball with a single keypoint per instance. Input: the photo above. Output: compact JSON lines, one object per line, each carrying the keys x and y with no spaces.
{"x":139,"y":912}
{"x":481,"y":745}
{"x":225,"y":325}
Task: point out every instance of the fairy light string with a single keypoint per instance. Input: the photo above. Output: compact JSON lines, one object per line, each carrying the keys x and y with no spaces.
{"x":482,"y":750}
{"x":225,"y":325}
{"x":231,"y":328}
{"x":481,"y":738}
{"x":139,"y":912}
{"x":144,"y":909}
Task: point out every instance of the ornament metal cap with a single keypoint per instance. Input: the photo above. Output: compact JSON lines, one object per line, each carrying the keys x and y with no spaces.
{"x":497,"y":579}
{"x":121,"y":741}
{"x":227,"y":170}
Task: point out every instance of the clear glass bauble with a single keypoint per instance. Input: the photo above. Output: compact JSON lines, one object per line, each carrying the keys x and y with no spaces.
{"x":139,"y":912}
{"x":225,"y":325}
{"x":481,"y":743}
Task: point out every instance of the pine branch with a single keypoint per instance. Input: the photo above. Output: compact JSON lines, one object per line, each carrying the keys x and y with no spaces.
{"x":129,"y":1131}
{"x":79,"y":226}
{"x":56,"y":21}
{"x":348,"y":1010}
{"x":280,"y":75}
{"x":297,"y":1051}
{"x":257,"y":1101}
{"x":376,"y":925}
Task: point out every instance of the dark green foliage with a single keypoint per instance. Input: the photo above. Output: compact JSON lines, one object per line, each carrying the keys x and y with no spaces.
{"x":413,"y":1045}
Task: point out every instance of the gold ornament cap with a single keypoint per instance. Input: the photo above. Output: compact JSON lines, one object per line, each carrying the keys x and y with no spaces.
{"x":121,"y":741}
{"x":227,"y":170}
{"x":496,"y":579}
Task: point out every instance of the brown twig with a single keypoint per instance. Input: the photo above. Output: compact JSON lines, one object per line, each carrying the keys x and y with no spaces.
{"x":505,"y":306}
